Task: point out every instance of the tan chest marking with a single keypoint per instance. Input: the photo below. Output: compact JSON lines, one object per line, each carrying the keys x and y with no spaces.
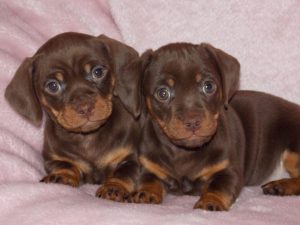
{"x":209,"y":171}
{"x":154,"y":168}
{"x":82,"y":166}
{"x":114,"y":157}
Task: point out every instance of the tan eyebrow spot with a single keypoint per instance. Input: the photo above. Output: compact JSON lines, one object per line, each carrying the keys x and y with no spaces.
{"x":59,"y":76}
{"x":198,"y":77}
{"x":87,"y":68}
{"x":171,"y":82}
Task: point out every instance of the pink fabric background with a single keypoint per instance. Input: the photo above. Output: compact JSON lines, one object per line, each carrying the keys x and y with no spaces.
{"x":265,"y":37}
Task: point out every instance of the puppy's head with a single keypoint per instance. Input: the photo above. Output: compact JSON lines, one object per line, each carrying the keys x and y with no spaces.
{"x":74,"y":78}
{"x":185,"y":87}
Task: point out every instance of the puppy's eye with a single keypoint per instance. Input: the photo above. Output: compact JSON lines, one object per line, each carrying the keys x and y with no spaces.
{"x":53,"y":86}
{"x":98,"y":72}
{"x":163,"y":94}
{"x":209,"y":87}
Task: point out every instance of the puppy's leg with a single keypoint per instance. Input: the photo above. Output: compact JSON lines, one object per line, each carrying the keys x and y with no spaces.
{"x":121,"y":183}
{"x":63,"y":173}
{"x":150,"y":190}
{"x":222,"y":190}
{"x":290,"y":186}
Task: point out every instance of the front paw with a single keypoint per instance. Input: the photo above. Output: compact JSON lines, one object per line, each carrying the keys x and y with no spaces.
{"x":146,"y":197}
{"x":113,"y":191}
{"x":62,"y":178}
{"x":212,"y":202}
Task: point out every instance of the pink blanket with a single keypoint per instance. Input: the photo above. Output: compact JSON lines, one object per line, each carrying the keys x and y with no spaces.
{"x":264,"y":35}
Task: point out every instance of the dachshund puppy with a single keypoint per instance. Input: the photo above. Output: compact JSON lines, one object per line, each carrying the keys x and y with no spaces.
{"x":194,"y":142}
{"x":90,"y":103}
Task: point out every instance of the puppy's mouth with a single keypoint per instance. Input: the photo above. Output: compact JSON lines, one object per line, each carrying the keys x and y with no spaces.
{"x":85,"y":125}
{"x":192,"y":141}
{"x":196,"y":138}
{"x":88,"y":126}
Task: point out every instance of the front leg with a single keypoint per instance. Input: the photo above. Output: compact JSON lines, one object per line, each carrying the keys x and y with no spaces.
{"x":151,"y":189}
{"x":62,"y":172}
{"x":121,"y":183}
{"x":222,"y":190}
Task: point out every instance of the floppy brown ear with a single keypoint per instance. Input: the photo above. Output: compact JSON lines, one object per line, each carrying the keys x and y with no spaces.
{"x":144,"y":61}
{"x":126,"y":67}
{"x":20,"y":93}
{"x":229,"y":69}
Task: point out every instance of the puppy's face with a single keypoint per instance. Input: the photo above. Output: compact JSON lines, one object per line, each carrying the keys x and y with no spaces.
{"x":73,"y":78}
{"x":74,"y":84}
{"x":184,"y":88}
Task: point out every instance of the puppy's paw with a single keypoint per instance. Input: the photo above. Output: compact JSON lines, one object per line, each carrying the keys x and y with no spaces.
{"x":212,"y":202}
{"x":113,"y":191}
{"x":282,"y":187}
{"x":147,"y":197}
{"x":62,"y":178}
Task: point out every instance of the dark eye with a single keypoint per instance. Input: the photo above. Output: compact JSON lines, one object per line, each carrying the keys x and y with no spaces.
{"x":98,"y":72}
{"x":209,"y":87}
{"x":53,"y":86}
{"x":163,"y":94}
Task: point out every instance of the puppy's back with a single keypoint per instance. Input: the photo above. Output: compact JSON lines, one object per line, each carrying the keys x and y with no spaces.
{"x":271,"y":124}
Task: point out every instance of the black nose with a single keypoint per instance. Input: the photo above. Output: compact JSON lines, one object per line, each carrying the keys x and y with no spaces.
{"x":192,"y":123}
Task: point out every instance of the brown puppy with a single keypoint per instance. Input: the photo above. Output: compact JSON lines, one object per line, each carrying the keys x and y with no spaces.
{"x":90,"y":100}
{"x":195,"y":143}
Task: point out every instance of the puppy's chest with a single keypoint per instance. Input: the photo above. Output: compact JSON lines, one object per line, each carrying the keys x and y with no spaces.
{"x":102,"y":154}
{"x":185,"y":165}
{"x":181,"y":172}
{"x":192,"y":170}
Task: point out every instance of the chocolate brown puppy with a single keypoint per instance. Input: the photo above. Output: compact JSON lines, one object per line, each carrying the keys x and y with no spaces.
{"x":194,"y":142}
{"x":90,"y":104}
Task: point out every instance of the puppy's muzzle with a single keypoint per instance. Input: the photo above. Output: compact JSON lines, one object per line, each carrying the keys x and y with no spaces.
{"x":191,"y":128}
{"x":84,"y":105}
{"x":84,"y":112}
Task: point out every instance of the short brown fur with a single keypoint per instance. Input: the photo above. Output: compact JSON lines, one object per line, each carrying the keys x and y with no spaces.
{"x":91,"y":101}
{"x":209,"y":138}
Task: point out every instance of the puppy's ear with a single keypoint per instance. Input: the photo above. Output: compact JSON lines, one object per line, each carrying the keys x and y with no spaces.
{"x":20,"y":93}
{"x":126,"y":66}
{"x":229,"y":69}
{"x":143,"y":62}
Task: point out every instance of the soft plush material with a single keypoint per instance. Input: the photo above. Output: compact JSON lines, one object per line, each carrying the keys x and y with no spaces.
{"x":264,"y":35}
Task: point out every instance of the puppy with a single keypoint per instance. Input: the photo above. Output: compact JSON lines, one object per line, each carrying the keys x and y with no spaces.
{"x":90,"y":103}
{"x":194,"y":142}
